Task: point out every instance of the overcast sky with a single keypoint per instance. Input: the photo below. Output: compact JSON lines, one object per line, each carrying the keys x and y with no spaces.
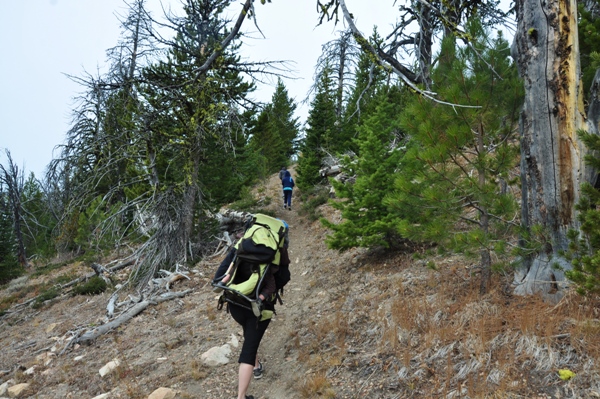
{"x":41,"y":41}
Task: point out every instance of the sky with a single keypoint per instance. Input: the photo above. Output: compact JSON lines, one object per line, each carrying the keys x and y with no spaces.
{"x":43,"y":41}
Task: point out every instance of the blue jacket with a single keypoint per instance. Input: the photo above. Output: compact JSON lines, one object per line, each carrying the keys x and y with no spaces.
{"x":287,"y":182}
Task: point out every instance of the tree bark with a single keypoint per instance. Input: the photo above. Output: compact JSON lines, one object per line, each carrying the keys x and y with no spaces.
{"x":546,"y":49}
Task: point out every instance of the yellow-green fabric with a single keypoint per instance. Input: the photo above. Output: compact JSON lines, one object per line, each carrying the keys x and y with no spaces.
{"x":247,"y":287}
{"x":268,"y":237}
{"x":266,"y":315}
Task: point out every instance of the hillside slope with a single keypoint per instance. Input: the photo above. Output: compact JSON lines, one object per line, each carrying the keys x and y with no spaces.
{"x":361,"y":324}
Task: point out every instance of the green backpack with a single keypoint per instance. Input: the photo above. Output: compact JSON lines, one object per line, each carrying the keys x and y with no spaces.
{"x":256,"y":252}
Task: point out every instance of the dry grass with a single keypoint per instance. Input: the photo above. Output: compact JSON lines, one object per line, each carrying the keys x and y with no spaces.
{"x":443,"y":339}
{"x":316,"y":386}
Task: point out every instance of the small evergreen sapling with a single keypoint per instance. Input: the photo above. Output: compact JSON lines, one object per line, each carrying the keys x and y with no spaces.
{"x":367,"y":221}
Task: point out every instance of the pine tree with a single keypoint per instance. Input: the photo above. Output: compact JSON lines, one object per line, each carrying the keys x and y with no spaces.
{"x":276,"y":130}
{"x":584,"y":245}
{"x":367,"y":221}
{"x":460,"y":158}
{"x":9,"y":264}
{"x":319,"y":133}
{"x":369,"y":79}
{"x":38,"y":218}
{"x":589,"y":41}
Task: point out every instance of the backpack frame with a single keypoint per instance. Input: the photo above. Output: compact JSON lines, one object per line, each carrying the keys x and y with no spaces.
{"x":256,"y":251}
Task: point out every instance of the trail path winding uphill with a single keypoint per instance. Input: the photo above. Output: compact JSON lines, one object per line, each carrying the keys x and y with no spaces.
{"x":304,"y":298}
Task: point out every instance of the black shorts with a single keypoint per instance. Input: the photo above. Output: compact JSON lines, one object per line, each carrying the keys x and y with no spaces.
{"x":253,"y":332}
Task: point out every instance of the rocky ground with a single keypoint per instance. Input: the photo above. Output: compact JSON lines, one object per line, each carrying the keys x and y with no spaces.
{"x":361,"y":324}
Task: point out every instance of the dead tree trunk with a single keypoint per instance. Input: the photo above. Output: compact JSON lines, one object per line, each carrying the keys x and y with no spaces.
{"x":546,"y":49}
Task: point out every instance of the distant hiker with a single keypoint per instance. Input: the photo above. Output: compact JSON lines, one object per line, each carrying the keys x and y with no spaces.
{"x":282,"y":172}
{"x":288,"y":185}
{"x":251,"y":277}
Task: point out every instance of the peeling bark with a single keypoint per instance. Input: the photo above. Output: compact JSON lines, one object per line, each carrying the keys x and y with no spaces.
{"x":546,"y":49}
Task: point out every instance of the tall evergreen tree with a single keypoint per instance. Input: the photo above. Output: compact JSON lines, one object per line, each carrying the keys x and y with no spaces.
{"x":460,"y":156}
{"x":9,"y":264}
{"x":275,"y":133}
{"x":39,"y":220}
{"x":194,"y":115}
{"x":319,"y":133}
{"x":368,"y":79}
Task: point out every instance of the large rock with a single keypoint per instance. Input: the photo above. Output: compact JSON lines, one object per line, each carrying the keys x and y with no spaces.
{"x":109,"y":367}
{"x":217,"y":356}
{"x":17,"y":390}
{"x":163,"y":393}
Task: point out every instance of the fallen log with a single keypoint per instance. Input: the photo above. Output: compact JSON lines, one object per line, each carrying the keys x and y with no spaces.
{"x":98,"y":271}
{"x":138,"y":308}
{"x":330,"y":171}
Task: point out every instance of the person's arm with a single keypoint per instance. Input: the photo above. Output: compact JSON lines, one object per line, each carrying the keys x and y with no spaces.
{"x":269,"y":287}
{"x":224,"y":266}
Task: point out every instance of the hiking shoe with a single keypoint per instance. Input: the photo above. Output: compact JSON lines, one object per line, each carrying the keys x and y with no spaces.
{"x":258,"y":371}
{"x":249,"y":397}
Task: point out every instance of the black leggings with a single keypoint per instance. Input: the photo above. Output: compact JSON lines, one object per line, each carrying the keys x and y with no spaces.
{"x":253,"y":332}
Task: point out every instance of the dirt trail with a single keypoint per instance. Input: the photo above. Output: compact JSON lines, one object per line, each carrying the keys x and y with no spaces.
{"x":309,"y":260}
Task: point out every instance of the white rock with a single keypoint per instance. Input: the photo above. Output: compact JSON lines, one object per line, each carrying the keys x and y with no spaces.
{"x":16,"y":390}
{"x":216,"y":356}
{"x":4,"y":387}
{"x":102,"y":396}
{"x":162,"y":393}
{"x":109,"y":367}
{"x":30,"y":370}
{"x":78,"y":358}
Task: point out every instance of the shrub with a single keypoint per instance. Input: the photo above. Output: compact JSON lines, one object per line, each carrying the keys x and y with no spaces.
{"x":46,"y":295}
{"x":93,"y":286}
{"x":314,"y":198}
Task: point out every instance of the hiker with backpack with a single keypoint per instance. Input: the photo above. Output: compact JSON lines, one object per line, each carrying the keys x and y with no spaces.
{"x":282,"y":172}
{"x":288,"y":186}
{"x":250,"y":277}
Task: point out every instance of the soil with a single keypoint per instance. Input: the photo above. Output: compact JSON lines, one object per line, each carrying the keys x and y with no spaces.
{"x":357,"y":324}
